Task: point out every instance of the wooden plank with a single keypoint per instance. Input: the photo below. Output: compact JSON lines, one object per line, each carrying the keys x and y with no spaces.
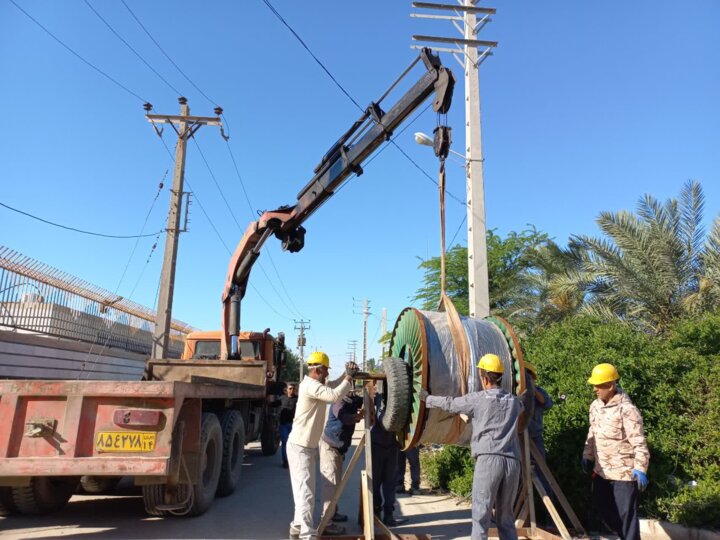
{"x":367,"y":482}
{"x":551,"y":509}
{"x":569,"y":512}
{"x":368,"y":510}
{"x":527,"y":474}
{"x":384,"y":529}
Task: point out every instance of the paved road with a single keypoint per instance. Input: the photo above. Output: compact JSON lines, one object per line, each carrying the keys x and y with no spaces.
{"x":260,"y":509}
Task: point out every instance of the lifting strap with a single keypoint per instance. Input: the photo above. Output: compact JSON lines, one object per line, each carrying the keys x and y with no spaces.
{"x":457,"y":332}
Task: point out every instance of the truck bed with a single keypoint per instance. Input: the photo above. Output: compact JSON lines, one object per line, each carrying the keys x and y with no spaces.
{"x":68,"y":428}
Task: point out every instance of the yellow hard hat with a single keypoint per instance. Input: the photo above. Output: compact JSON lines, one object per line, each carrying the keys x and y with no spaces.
{"x":531,"y":369}
{"x":318,"y":358}
{"x":603,"y":373}
{"x":491,"y":362}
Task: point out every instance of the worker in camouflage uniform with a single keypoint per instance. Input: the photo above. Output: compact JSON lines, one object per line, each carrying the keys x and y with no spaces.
{"x":616,"y":453}
{"x":494,"y":446}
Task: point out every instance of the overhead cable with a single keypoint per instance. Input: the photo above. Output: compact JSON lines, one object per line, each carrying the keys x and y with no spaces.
{"x":117,"y":35}
{"x":91,"y":233}
{"x":188,"y":79}
{"x":93,"y":66}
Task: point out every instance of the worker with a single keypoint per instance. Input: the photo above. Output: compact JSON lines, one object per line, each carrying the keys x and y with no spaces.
{"x":288,"y":402}
{"x":494,"y":446}
{"x":543,"y":403}
{"x":411,"y":456}
{"x":302,"y":448}
{"x":384,"y":447}
{"x":334,"y":444}
{"x":616,"y":454}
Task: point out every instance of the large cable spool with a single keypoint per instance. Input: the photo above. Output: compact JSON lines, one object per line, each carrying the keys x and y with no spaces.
{"x":422,"y":340}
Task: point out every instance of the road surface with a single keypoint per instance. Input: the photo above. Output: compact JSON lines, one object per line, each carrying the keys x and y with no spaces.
{"x":260,"y":509}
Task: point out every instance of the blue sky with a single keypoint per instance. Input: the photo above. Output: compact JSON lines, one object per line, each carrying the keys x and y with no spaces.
{"x":586,"y":106}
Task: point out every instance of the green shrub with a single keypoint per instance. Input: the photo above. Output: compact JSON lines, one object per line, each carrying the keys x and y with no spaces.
{"x":673,"y":381}
{"x":441,"y":467}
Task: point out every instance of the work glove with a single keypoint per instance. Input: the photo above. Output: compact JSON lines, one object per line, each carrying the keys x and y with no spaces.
{"x":641,"y":479}
{"x":351,"y":369}
{"x":423,"y":394}
{"x":587,"y":465}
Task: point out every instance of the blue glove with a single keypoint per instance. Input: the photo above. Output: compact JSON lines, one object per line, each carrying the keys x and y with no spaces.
{"x":641,"y":478}
{"x":587,"y":465}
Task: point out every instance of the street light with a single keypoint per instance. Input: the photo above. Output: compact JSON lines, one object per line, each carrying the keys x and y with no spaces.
{"x":426,"y":140}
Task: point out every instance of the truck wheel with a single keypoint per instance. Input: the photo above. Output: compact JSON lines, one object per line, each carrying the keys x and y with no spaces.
{"x":211,"y":451}
{"x":154,"y":496}
{"x":96,"y":485}
{"x":45,"y":494}
{"x":233,"y":431}
{"x":7,"y":505}
{"x":270,"y":436}
{"x":396,"y":393}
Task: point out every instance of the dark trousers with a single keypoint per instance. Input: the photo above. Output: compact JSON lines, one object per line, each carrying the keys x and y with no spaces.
{"x":412,"y":456}
{"x":384,"y":472}
{"x":617,"y":503}
{"x":285,"y":430}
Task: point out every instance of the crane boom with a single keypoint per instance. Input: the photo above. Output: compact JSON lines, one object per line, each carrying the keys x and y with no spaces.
{"x":344,"y":158}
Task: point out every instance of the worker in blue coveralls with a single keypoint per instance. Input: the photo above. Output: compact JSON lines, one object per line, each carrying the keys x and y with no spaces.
{"x":494,"y":445}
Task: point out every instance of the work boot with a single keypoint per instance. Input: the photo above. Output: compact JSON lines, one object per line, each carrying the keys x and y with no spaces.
{"x":333,"y":530}
{"x":338,"y":517}
{"x":294,"y":533}
{"x":391,"y":521}
{"x":400,"y":489}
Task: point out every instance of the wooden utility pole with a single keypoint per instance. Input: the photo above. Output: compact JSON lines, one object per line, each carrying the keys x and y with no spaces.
{"x":465,"y":19}
{"x":185,"y":126}
{"x":366,"y":313}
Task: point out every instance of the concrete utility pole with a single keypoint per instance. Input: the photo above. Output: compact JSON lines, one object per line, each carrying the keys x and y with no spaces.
{"x":366,"y":313}
{"x":186,"y":127}
{"x":467,"y":48}
{"x":352,"y":349}
{"x":302,"y":326}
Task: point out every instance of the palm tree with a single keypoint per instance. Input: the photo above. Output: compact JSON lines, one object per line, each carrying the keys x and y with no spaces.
{"x":655,"y":265}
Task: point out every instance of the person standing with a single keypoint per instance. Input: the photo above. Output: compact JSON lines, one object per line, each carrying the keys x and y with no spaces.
{"x":411,"y":456}
{"x":302,"y":448}
{"x":543,"y":403}
{"x":385,"y":449}
{"x":494,"y":446}
{"x":334,"y":444}
{"x":288,"y":402}
{"x":616,"y":453}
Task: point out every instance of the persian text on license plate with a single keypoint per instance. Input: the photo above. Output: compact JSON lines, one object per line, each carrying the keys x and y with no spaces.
{"x":125,"y":441}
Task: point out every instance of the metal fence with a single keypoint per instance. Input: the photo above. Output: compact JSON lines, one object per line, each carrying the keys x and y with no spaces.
{"x":38,"y":298}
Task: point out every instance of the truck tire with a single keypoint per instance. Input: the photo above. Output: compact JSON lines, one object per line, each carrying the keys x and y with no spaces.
{"x":203,"y":492}
{"x":233,"y":432}
{"x":396,"y":394}
{"x":45,"y":494}
{"x":7,"y":505}
{"x":270,"y":435}
{"x":211,"y":451}
{"x":96,"y":485}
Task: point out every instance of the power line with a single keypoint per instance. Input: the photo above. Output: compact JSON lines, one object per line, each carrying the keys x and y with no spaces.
{"x":342,"y":89}
{"x":294,"y":33}
{"x":212,"y":101}
{"x":250,"y":206}
{"x":91,"y":233}
{"x":262,"y":269}
{"x":93,"y":66}
{"x":132,"y":49}
{"x":217,"y":233}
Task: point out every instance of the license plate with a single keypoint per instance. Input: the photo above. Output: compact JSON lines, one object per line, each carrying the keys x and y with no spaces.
{"x":125,"y":441}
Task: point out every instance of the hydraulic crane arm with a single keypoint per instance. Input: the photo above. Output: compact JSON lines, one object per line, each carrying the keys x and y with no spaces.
{"x":343,"y":159}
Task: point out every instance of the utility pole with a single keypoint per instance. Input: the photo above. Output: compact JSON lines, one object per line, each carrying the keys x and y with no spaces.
{"x":365,"y":314}
{"x":352,"y":350}
{"x":467,"y":48}
{"x":301,"y":326}
{"x":383,"y":330}
{"x":186,"y":127}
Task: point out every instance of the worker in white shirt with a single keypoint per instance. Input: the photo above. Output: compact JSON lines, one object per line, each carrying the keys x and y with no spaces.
{"x":302,"y":451}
